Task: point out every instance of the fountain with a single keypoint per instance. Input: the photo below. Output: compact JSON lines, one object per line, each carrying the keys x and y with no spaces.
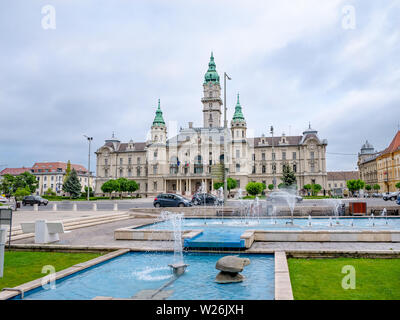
{"x":384,"y":214}
{"x":336,"y":204}
{"x":287,"y":194}
{"x":220,"y":196}
{"x":309,"y":221}
{"x":176,"y":222}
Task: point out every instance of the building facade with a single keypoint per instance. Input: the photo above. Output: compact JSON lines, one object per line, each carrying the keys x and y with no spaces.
{"x":50,"y":175}
{"x":337,"y":181}
{"x":388,"y":166}
{"x":367,"y":164}
{"x":184,"y":163}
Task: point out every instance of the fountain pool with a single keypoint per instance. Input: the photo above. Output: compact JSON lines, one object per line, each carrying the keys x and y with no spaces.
{"x":127,"y":275}
{"x":233,"y":232}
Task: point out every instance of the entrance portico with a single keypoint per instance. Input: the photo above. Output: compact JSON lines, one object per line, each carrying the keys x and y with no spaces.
{"x":187,"y":186}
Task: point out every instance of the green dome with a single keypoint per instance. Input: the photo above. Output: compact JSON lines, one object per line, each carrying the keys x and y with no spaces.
{"x":238,"y":116}
{"x":158,"y":120}
{"x":211,"y":74}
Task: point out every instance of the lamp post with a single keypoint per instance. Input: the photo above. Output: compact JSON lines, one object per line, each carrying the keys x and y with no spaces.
{"x":226,"y":169}
{"x":273,"y":158}
{"x":88,"y":173}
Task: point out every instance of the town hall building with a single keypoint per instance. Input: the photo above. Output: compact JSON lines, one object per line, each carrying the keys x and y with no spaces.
{"x":190,"y":159}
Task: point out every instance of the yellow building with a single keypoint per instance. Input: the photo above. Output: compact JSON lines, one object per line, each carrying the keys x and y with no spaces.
{"x":388,"y":166}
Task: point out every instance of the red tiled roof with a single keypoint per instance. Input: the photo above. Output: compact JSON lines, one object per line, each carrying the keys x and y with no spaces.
{"x":394,"y":145}
{"x":53,"y":166}
{"x":342,"y":175}
{"x":14,"y":171}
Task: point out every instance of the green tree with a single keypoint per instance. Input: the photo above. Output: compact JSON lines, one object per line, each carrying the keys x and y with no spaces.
{"x":254,"y":188}
{"x":230,"y":184}
{"x":397,"y":185}
{"x":288,"y":178}
{"x":30,"y":181}
{"x":132,"y":186}
{"x":67,"y":171}
{"x":281,"y":185}
{"x":271,"y":187}
{"x":20,"y":193}
{"x":7,"y":184}
{"x":368,"y":187}
{"x":50,"y":192}
{"x":110,"y":186}
{"x":72,"y":185}
{"x":376,"y":187}
{"x":91,"y":193}
{"x":355,"y":185}
{"x":316,"y":188}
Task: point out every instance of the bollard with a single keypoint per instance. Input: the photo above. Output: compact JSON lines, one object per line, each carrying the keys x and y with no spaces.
{"x":74,"y":207}
{"x":94,"y":206}
{"x":3,"y":232}
{"x":115,"y":206}
{"x":54,"y":206}
{"x":35,"y":207}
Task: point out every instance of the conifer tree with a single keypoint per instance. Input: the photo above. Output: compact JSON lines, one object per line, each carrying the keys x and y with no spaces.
{"x":72,"y":185}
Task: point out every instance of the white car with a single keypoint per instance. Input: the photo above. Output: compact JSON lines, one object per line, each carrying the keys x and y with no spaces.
{"x":391,"y":196}
{"x":3,"y":200}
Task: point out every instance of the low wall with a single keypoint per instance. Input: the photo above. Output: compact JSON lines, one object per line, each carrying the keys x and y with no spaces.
{"x":328,"y":236}
{"x":151,"y":234}
{"x":299,"y":211}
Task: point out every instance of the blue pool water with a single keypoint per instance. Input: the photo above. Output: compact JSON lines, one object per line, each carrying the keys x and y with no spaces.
{"x":124,"y":276}
{"x":225,"y":233}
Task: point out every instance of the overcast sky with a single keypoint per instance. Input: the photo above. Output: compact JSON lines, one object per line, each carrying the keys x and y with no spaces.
{"x":106,"y":63}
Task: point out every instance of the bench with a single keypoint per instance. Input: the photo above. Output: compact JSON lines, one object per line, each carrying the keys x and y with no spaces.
{"x":389,"y":212}
{"x":45,"y":232}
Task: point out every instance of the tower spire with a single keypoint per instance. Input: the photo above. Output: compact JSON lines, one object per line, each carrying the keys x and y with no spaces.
{"x":159,"y":120}
{"x":238,"y":116}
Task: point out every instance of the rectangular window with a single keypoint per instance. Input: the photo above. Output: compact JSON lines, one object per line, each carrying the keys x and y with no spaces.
{"x":283,"y":155}
{"x":237,"y":183}
{"x":129,"y":160}
{"x":237,"y":167}
{"x":294,"y":155}
{"x":312,"y":155}
{"x":254,"y":169}
{"x":295,"y":168}
{"x":237,"y":153}
{"x":155,"y":169}
{"x":138,"y":160}
{"x":155,"y":185}
{"x":120,"y":161}
{"x":273,"y":156}
{"x":254,"y":157}
{"x":106,"y":161}
{"x":263,"y":156}
{"x":263,"y":169}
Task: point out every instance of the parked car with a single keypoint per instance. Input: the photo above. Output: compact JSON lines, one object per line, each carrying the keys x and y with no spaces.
{"x":391,"y":195}
{"x":3,"y":200}
{"x":171,"y":200}
{"x":206,"y":199}
{"x":398,"y":199}
{"x":377,"y":195}
{"x":34,"y":200}
{"x":281,"y":196}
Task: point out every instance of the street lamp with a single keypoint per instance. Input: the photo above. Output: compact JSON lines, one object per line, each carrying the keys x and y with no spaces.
{"x":88,"y":173}
{"x":273,"y":158}
{"x":226,"y":170}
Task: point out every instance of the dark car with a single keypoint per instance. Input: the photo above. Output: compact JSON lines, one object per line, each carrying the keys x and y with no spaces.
{"x":34,"y":200}
{"x":171,"y":200}
{"x":205,"y":199}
